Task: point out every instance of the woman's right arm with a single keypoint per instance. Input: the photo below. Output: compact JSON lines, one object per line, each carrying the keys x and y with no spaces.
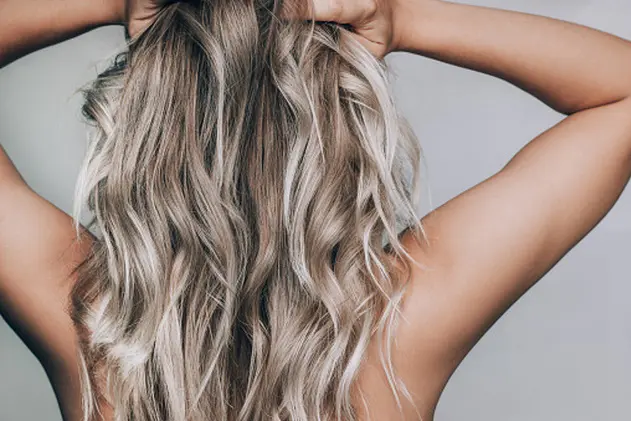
{"x":568,"y":66}
{"x":488,"y":245}
{"x":491,"y":243}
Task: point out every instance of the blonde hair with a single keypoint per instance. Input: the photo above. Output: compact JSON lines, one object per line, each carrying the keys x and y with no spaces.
{"x":244,"y":176}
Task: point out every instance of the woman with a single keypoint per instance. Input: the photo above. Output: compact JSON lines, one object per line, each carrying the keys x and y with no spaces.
{"x":485,"y":247}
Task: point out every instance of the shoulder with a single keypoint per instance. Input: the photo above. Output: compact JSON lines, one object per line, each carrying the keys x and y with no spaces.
{"x":39,"y":250}
{"x":486,"y":247}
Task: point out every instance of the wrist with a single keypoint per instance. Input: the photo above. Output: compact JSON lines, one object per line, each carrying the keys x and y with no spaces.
{"x":415,"y":23}
{"x":109,"y":12}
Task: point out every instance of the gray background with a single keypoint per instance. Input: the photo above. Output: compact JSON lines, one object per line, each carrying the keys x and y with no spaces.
{"x":560,"y":353}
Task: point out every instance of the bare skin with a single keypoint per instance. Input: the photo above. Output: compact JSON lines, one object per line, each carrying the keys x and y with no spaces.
{"x":489,"y":245}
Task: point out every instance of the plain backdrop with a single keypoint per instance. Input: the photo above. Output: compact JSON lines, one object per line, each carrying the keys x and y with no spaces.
{"x":560,"y":353}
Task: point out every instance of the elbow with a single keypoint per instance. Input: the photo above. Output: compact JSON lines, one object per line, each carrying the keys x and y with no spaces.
{"x":607,"y":94}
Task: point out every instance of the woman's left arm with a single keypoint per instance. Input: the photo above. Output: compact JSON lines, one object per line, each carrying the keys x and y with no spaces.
{"x":28,"y":25}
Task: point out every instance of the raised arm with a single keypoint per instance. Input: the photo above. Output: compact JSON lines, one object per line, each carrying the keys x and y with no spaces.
{"x":37,"y":247}
{"x":490,"y":244}
{"x":28,"y":25}
{"x":568,"y":66}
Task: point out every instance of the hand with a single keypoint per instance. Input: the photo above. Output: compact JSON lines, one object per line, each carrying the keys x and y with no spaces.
{"x":373,"y":22}
{"x":139,"y":14}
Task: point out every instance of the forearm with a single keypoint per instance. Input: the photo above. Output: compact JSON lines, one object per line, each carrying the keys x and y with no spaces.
{"x":568,"y":66}
{"x":27,"y":25}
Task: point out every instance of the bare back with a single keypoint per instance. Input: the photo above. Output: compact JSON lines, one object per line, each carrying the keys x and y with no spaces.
{"x":487,"y":247}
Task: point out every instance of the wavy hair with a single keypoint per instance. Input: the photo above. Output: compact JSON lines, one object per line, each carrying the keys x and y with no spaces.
{"x":248,"y":178}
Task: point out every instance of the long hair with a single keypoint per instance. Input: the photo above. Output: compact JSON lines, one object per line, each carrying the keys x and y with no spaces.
{"x":244,"y":176}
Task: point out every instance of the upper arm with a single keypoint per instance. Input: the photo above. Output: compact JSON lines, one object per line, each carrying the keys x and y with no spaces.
{"x":37,"y":254}
{"x":490,"y":244}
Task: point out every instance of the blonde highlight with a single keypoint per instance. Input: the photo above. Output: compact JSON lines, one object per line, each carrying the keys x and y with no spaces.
{"x":245,"y":175}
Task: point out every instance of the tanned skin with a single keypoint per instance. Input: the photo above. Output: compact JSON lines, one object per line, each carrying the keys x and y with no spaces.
{"x":488,"y":245}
